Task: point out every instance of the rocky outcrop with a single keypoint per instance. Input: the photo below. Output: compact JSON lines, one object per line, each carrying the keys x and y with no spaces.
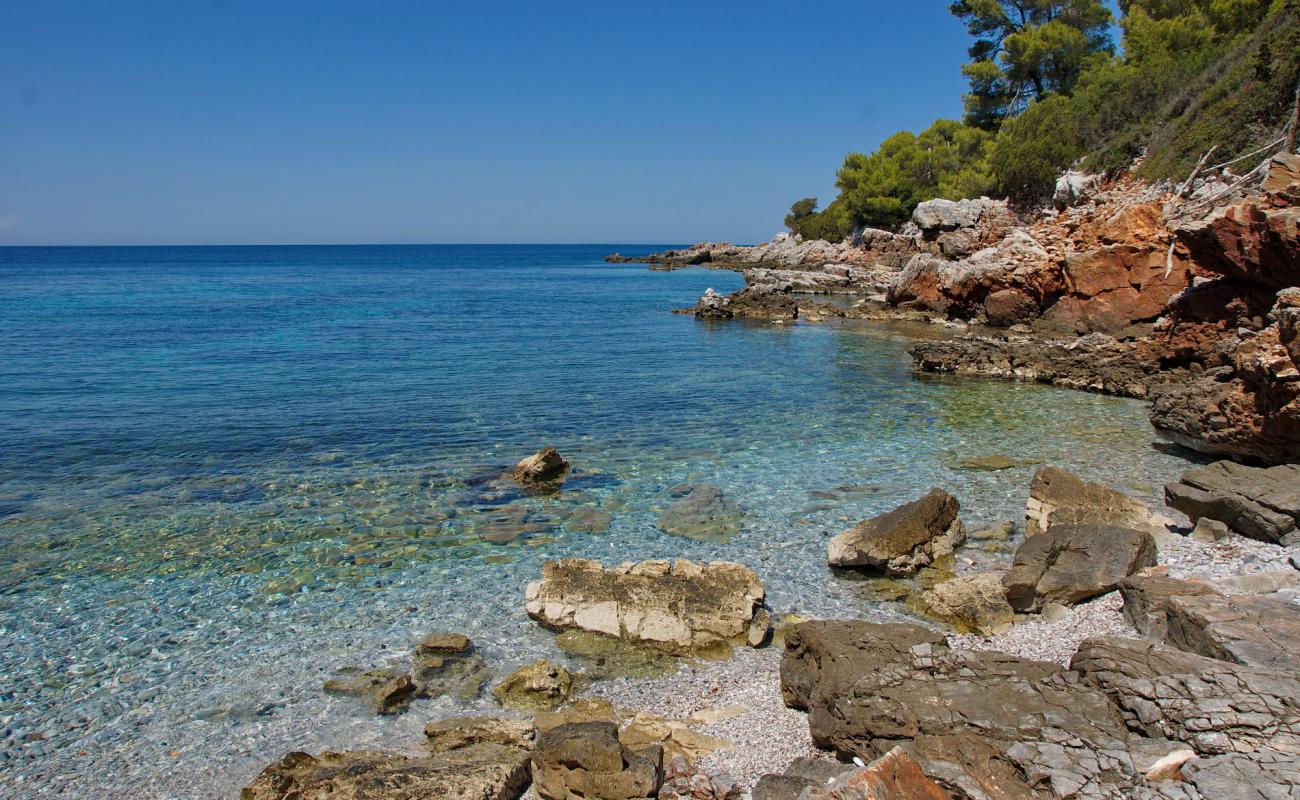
{"x":701,"y":511}
{"x":1256,"y":630}
{"x":971,"y":604}
{"x":457,"y":767}
{"x":680,"y":606}
{"x":545,"y":468}
{"x":1262,"y":504}
{"x":583,"y":760}
{"x":1145,"y":597}
{"x":1095,"y":363}
{"x":1215,"y":706}
{"x":536,"y":687}
{"x":903,"y":540}
{"x":1057,"y":497}
{"x":1068,"y":564}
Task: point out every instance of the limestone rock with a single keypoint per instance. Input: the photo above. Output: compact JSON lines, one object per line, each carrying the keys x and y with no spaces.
{"x":942,"y":214}
{"x":893,"y":776}
{"x":1071,"y":563}
{"x":586,"y":760}
{"x":537,"y":686}
{"x":1074,"y":188}
{"x":973,"y":604}
{"x":1058,"y":497}
{"x":459,"y":766}
{"x":1145,"y":597}
{"x":460,"y":732}
{"x":903,"y":540}
{"x":545,"y":468}
{"x":681,"y":606}
{"x":1259,"y":503}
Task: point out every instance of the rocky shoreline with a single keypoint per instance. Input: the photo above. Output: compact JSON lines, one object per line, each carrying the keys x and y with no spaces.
{"x":1188,"y":297}
{"x":1118,"y":654}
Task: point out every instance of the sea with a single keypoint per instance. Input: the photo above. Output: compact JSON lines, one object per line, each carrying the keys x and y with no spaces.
{"x":227,"y":473}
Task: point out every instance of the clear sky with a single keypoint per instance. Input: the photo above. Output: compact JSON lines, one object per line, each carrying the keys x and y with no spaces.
{"x":330,"y":122}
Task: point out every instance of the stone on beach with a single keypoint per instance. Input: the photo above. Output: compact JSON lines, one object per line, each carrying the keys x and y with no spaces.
{"x":583,"y":760}
{"x":544,"y":468}
{"x":681,"y":606}
{"x":903,"y":540}
{"x":1259,"y":503}
{"x":1070,"y":563}
{"x":976,"y":604}
{"x":1060,"y":497}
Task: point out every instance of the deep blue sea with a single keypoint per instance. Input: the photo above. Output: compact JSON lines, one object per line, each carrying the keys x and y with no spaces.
{"x":226,"y":472}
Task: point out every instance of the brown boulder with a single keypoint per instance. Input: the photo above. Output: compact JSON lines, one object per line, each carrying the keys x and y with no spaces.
{"x":1247,"y":241}
{"x":903,"y":540}
{"x":1057,"y":497}
{"x":1070,"y":563}
{"x":1144,"y":601}
{"x":1007,"y":307}
{"x":544,"y":468}
{"x":583,"y":760}
{"x":1259,"y":503}
{"x":893,"y":776}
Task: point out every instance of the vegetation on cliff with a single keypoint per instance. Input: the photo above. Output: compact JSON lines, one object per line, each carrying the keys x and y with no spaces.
{"x":1048,"y":92}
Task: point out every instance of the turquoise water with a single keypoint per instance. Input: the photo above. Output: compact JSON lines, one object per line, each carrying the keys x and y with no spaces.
{"x":227,"y":472}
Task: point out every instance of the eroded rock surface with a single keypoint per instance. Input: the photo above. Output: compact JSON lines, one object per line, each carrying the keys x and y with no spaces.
{"x":682,"y":606}
{"x":903,"y":540}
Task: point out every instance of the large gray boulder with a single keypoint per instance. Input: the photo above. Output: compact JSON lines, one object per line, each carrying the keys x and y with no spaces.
{"x":1256,"y":630}
{"x":1145,"y":597}
{"x":947,"y":215}
{"x":681,"y":606}
{"x":1068,"y":564}
{"x":585,"y":760}
{"x":1259,"y":503}
{"x":903,"y":540}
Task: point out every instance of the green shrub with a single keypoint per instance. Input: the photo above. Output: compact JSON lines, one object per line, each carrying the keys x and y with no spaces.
{"x":1033,"y":148}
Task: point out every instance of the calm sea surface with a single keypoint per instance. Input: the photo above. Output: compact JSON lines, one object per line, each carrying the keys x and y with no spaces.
{"x":227,"y":472}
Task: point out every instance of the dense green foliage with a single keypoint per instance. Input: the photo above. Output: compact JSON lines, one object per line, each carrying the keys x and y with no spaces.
{"x":1027,"y":49}
{"x":1047,"y":94}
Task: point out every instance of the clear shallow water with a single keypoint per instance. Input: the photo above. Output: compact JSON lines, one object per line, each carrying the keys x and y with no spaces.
{"x":227,"y":472}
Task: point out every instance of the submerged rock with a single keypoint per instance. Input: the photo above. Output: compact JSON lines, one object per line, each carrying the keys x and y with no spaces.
{"x":1068,"y":564}
{"x":584,"y":760}
{"x":703,"y":513}
{"x":680,"y":606}
{"x":903,"y":540}
{"x":446,"y":664}
{"x":538,"y":686}
{"x":389,"y":689}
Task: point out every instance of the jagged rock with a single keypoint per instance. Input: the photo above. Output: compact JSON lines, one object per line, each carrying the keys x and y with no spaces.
{"x":701,"y":512}
{"x":1007,"y":307}
{"x":1262,"y":504}
{"x":1257,"y":776}
{"x":713,"y":306}
{"x":583,"y":760}
{"x":1256,"y":630}
{"x":1144,"y":601}
{"x":1073,"y":188}
{"x":1057,"y":497}
{"x":682,"y":606}
{"x":461,"y":732}
{"x":973,"y":719}
{"x":538,"y":686}
{"x":459,"y":766}
{"x":545,"y":468}
{"x":973,"y":604}
{"x":803,"y":773}
{"x":1249,"y":241}
{"x":893,"y":776}
{"x":903,"y":540}
{"x":1071,"y":563}
{"x":1213,"y":705}
{"x":959,"y":288}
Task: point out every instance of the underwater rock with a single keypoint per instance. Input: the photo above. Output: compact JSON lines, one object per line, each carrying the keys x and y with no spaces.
{"x":542,"y":685}
{"x":702,"y":513}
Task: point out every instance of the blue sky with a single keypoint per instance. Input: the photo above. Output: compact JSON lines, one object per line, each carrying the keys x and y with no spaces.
{"x":323,"y":122}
